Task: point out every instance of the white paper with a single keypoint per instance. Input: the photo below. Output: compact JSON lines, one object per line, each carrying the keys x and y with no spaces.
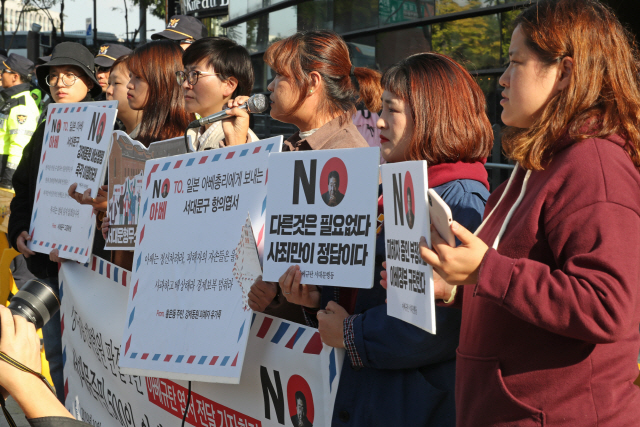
{"x":75,"y":149}
{"x":406,"y":218}
{"x":184,"y":299}
{"x":331,"y":236}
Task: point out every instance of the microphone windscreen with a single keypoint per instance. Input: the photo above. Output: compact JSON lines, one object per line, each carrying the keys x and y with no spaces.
{"x":257,"y":103}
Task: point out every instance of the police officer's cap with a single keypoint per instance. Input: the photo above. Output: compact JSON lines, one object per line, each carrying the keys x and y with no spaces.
{"x":109,"y":53}
{"x":182,"y":27}
{"x":18,"y":64}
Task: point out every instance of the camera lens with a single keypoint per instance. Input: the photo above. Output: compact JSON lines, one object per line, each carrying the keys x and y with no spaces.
{"x":36,"y":302}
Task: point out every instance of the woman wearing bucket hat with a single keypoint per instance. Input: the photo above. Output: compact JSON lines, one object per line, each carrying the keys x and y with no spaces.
{"x":68,"y":77}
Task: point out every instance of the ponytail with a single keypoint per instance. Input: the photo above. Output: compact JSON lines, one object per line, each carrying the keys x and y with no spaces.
{"x":367,"y":85}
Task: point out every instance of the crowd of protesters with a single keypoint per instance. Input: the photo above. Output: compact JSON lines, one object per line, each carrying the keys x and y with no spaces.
{"x":538,"y":316}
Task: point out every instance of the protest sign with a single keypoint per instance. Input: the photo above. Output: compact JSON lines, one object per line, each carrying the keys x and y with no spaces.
{"x":406,"y":219}
{"x":75,"y":149}
{"x":126,"y":166}
{"x":184,"y":297}
{"x":321,"y":215}
{"x":282,"y":358}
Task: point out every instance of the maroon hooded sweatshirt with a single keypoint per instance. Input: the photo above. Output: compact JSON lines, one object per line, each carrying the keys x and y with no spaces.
{"x":550,"y":332}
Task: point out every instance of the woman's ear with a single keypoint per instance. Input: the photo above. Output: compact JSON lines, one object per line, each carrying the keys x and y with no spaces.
{"x":565,"y":72}
{"x":229,"y":86}
{"x":315,"y":82}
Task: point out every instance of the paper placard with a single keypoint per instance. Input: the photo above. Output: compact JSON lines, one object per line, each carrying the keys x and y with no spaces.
{"x":282,"y":358}
{"x":321,"y":215}
{"x":75,"y":149}
{"x":184,"y":296}
{"x":126,"y":167}
{"x":406,"y":218}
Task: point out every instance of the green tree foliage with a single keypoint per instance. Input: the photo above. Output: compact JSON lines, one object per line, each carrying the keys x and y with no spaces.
{"x":156,"y":7}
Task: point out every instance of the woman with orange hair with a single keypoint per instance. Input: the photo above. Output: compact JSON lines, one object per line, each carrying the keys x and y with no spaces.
{"x":394,"y":372}
{"x":316,"y":88}
{"x":550,"y":322}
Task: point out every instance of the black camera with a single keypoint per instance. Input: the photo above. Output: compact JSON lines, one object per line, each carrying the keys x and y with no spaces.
{"x":36,"y":302}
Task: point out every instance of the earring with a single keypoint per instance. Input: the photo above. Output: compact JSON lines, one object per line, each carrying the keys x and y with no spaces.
{"x":310,"y":90}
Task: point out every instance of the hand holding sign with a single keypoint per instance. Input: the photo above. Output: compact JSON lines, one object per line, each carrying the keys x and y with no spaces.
{"x":296,"y":293}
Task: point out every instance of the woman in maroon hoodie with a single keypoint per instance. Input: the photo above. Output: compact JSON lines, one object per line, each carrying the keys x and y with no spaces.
{"x":550,"y":324}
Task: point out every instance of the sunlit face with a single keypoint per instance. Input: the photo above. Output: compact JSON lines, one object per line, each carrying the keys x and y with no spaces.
{"x":102,"y":74}
{"x":67,"y":94}
{"x":396,"y":128}
{"x":529,"y":84}
{"x":208,"y":95}
{"x":283,"y":97}
{"x":137,"y":92}
{"x":117,"y":88}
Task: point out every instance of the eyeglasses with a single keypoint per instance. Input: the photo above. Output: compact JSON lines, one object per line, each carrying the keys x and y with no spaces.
{"x":68,"y":79}
{"x":5,"y":70}
{"x":100,"y":69}
{"x":192,"y":76}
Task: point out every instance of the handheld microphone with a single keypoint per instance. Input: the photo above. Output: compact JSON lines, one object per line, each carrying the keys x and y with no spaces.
{"x":256,"y":104}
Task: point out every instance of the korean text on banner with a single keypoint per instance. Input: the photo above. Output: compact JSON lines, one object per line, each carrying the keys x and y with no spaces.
{"x":75,"y":149}
{"x":406,"y":219}
{"x":126,"y":168}
{"x":184,"y":296}
{"x":283,"y":360}
{"x":321,"y":215}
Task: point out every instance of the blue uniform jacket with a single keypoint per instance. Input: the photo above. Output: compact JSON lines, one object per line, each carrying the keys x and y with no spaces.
{"x":409,"y":374}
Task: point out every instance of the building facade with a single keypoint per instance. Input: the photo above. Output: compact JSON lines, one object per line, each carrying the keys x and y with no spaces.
{"x":19,"y":17}
{"x":379,"y":33}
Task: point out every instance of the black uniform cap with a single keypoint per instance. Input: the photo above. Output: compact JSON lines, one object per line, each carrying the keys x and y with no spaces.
{"x":109,"y":53}
{"x":182,"y":27}
{"x":18,"y":64}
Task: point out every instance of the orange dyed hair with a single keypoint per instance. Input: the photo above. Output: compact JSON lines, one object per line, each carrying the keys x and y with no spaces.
{"x":602,"y":98}
{"x":325,"y":52}
{"x":447,"y":107}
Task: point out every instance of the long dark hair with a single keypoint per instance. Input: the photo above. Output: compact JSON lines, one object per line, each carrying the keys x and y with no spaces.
{"x":163,"y":115}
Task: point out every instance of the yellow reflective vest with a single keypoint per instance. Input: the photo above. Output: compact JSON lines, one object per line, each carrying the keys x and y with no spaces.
{"x":18,"y":120}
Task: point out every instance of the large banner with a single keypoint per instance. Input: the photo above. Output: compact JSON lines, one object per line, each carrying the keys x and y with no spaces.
{"x":126,"y":167}
{"x":406,"y":219}
{"x":321,"y":215}
{"x":186,"y":315}
{"x":284,"y":362}
{"x":75,"y":149}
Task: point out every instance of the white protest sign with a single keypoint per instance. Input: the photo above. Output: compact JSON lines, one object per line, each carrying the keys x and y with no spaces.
{"x":321,"y":215}
{"x":126,"y":167}
{"x":185,"y":306}
{"x":406,"y":219}
{"x":282,"y":359}
{"x":75,"y":149}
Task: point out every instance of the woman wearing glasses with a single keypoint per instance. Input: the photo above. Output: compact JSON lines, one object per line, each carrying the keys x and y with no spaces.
{"x":153,"y":89}
{"x":216,"y":70}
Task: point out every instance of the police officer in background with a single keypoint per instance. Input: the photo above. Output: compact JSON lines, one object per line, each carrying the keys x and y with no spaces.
{"x":18,"y":114}
{"x":183,"y":29}
{"x":107,"y":55}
